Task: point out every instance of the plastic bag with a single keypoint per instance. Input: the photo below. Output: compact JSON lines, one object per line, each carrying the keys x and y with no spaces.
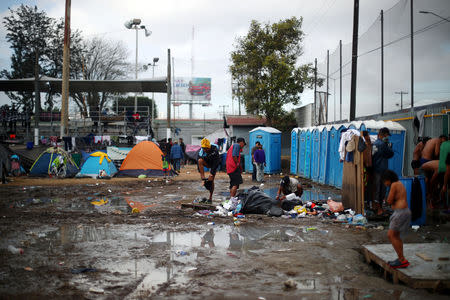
{"x":335,"y":206}
{"x":300,"y":209}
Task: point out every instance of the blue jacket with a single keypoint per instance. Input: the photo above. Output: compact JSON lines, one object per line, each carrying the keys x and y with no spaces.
{"x":176,"y":152}
{"x":381,"y":153}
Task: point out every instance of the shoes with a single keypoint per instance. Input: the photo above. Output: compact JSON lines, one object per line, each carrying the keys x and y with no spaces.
{"x":397,"y":264}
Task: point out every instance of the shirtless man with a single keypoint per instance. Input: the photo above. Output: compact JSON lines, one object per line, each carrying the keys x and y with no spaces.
{"x":417,"y":155}
{"x":400,"y":219}
{"x":431,"y":149}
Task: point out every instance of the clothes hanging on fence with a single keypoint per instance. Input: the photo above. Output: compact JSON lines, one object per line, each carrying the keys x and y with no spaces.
{"x":346,"y":136}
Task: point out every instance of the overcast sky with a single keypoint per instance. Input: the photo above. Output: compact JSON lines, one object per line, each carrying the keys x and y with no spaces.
{"x":216,"y":25}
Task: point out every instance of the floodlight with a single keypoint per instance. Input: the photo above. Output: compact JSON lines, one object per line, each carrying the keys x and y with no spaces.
{"x":155,"y":59}
{"x":145,"y":67}
{"x":128,"y":24}
{"x":136,"y":21}
{"x":147,"y":32}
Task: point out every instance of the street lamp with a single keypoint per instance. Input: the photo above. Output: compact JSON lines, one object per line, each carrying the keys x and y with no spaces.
{"x":432,"y":13}
{"x":155,"y":60}
{"x":135,"y":24}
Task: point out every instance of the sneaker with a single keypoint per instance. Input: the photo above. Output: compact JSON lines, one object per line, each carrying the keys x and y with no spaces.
{"x":397,"y":264}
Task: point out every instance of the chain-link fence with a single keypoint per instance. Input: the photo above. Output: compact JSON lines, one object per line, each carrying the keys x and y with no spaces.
{"x":389,"y":39}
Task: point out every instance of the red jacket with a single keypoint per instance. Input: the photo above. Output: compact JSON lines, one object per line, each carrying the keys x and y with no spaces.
{"x":231,"y":165}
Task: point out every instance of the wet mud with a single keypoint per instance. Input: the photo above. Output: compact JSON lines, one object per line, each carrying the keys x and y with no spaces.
{"x":86,"y":241}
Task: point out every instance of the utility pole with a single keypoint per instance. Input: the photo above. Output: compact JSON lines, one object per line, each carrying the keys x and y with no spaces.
{"x":382,"y":61}
{"x":315,"y":91}
{"x":169,"y":92}
{"x":401,"y":93}
{"x":412,"y":54}
{"x":223,"y":109}
{"x":65,"y":74}
{"x":354,"y":60}
{"x":340,"y":80}
{"x":328,"y":82}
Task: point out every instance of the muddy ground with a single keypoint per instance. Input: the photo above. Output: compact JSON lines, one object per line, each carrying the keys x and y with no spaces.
{"x":169,"y":252}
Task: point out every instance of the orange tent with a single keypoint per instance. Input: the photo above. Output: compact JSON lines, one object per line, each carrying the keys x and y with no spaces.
{"x":144,"y":159}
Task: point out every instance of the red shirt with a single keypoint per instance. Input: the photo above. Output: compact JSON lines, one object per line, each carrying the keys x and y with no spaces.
{"x":231,"y":165}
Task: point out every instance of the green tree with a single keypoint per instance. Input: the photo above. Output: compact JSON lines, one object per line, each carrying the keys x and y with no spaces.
{"x":265,"y":68}
{"x":36,"y":41}
{"x":143,"y":103}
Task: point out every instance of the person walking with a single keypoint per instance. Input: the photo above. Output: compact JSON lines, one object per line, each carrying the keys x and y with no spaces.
{"x":234,"y":168}
{"x":256,"y":147}
{"x":260,"y":162}
{"x":381,"y":153}
{"x":176,"y":155}
{"x":183,"y":149}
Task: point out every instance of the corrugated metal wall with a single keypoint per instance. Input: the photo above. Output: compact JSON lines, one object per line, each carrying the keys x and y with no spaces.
{"x":436,"y":123}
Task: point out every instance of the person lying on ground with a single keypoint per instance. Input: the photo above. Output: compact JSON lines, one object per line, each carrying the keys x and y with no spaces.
{"x":208,"y":158}
{"x":234,"y":168}
{"x":289,"y":185}
{"x":417,"y":155}
{"x":400,"y":219}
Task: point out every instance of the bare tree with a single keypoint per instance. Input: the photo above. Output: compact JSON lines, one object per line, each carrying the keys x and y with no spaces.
{"x":101,"y":59}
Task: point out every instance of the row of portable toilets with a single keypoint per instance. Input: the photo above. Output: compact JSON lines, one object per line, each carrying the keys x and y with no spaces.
{"x":315,"y":150}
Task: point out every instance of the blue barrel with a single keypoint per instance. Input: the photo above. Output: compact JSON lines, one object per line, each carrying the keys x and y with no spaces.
{"x":408,"y":182}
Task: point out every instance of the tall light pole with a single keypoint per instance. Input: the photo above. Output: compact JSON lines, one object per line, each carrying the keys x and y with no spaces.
{"x":432,"y":13}
{"x":135,"y":24}
{"x":153,"y":65}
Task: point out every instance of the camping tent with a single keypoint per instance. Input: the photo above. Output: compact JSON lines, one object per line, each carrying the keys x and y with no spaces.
{"x":43,"y":164}
{"x":95,"y":162}
{"x":144,"y":159}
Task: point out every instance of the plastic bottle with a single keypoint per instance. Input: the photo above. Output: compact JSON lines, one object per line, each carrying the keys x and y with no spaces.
{"x":211,"y":223}
{"x":15,"y":250}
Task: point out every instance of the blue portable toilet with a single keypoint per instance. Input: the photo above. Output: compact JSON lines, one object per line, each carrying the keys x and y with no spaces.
{"x":324,"y":156}
{"x":301,"y":152}
{"x":397,"y":138}
{"x":315,"y":153}
{"x":336,"y":164}
{"x":270,"y":138}
{"x":408,"y":183}
{"x":308,"y":138}
{"x":333,"y":139}
{"x":294,"y":151}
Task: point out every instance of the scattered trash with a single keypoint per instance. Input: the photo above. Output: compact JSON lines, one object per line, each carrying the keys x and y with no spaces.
{"x":109,"y":191}
{"x":142,"y":176}
{"x":135,"y":210}
{"x":82,"y":270}
{"x":15,"y":250}
{"x":211,"y":223}
{"x":96,"y":290}
{"x":290,"y":232}
{"x":290,"y":284}
{"x":318,"y":273}
{"x":261,"y":298}
{"x":100,"y":202}
{"x":367,"y":296}
{"x":181,"y":253}
{"x":311,"y":229}
{"x":61,"y":263}
{"x":359,"y":220}
{"x":335,"y":206}
{"x":415,"y":227}
{"x":29,"y":269}
{"x":380,"y":227}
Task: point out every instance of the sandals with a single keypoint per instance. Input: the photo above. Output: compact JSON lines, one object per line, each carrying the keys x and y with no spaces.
{"x":397,"y":264}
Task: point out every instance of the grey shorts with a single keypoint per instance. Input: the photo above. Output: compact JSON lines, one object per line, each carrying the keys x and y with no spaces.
{"x":400,"y":220}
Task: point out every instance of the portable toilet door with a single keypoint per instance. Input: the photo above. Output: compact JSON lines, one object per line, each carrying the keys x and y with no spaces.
{"x":324,"y":156}
{"x":339,"y":166}
{"x":333,"y":154}
{"x":270,"y":138}
{"x":308,"y":138}
{"x":301,"y":152}
{"x":315,"y":154}
{"x":294,"y":151}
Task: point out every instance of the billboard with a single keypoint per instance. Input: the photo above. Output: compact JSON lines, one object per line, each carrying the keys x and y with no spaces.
{"x":196,"y":89}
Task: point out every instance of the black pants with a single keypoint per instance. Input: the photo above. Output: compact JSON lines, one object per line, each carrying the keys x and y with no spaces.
{"x":67,"y":143}
{"x":254,"y":172}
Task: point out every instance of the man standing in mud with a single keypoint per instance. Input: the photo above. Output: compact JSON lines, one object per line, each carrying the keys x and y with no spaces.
{"x":208,"y":158}
{"x":234,"y":165}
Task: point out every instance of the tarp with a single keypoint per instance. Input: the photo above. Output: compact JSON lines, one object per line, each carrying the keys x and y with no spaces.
{"x":144,"y":159}
{"x":256,"y":201}
{"x":192,"y":151}
{"x":42,"y":165}
{"x":96,"y":162}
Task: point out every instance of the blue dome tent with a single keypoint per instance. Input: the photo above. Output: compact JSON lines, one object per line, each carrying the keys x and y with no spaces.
{"x":96,"y":162}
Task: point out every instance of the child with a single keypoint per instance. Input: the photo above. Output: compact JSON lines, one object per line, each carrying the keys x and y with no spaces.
{"x":400,"y":219}
{"x":165,"y":165}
